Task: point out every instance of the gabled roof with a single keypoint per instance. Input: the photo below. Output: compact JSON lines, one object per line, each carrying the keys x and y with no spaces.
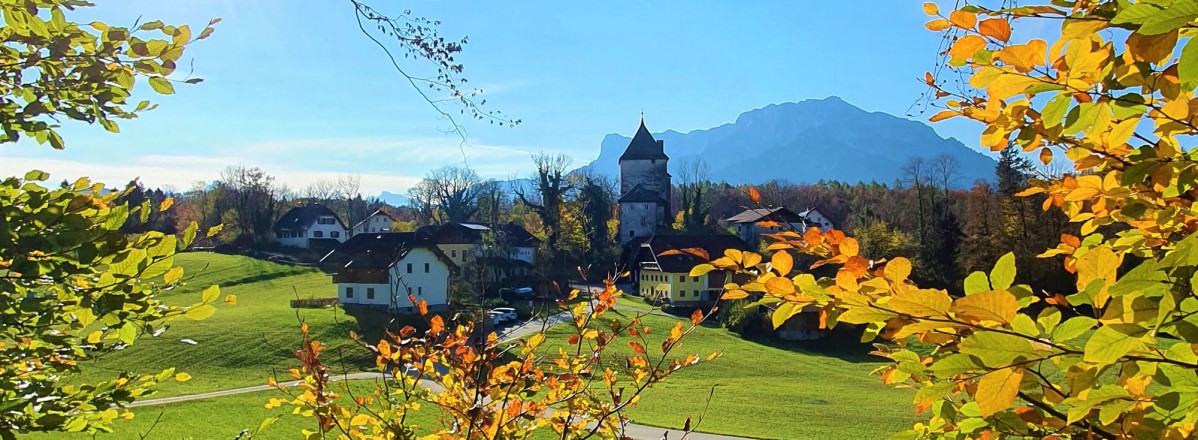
{"x":713,"y":244}
{"x":302,"y":217}
{"x":518,"y":236}
{"x":378,"y":251}
{"x":643,"y":146}
{"x":472,"y":233}
{"x":760,"y":214}
{"x":640,"y":194}
{"x":376,"y":212}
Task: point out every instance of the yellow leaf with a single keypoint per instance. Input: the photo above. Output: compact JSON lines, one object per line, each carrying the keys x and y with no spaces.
{"x":963,"y":19}
{"x":921,"y":303}
{"x":536,"y":340}
{"x":172,"y":276}
{"x":701,"y":269}
{"x":231,"y":299}
{"x":864,"y":315}
{"x":967,"y":46}
{"x":210,"y":294}
{"x":782,"y":262}
{"x":166,"y":204}
{"x":997,"y":390}
{"x":937,"y":25}
{"x":1097,"y":263}
{"x":995,"y":28}
{"x":1010,"y":84}
{"x":360,"y":419}
{"x":94,"y":337}
{"x":931,"y":9}
{"x":182,"y":377}
{"x":1121,"y":133}
{"x":1024,"y":57}
{"x":200,"y":312}
{"x":735,"y":294}
{"x":994,"y":305}
{"x":897,"y":269}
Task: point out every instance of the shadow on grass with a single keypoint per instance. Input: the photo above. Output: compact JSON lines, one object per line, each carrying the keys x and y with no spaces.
{"x":843,"y":343}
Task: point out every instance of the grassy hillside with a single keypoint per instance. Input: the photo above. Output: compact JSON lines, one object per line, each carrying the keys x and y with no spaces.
{"x":760,"y":390}
{"x":808,"y":391}
{"x":241,"y":344}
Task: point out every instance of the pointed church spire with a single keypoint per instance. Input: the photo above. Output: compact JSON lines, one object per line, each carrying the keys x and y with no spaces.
{"x":643,"y":146}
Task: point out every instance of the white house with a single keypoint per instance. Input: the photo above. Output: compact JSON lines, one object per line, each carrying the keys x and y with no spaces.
{"x":382,"y":269}
{"x":304,"y":226}
{"x":748,"y":228}
{"x":379,"y":221}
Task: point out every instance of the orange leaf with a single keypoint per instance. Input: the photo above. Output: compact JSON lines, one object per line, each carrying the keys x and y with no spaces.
{"x":697,"y":317}
{"x":1045,"y":156}
{"x":963,"y":19}
{"x":944,"y":114}
{"x":928,"y":78}
{"x":779,"y":286}
{"x":931,"y":9}
{"x":637,"y":347}
{"x":735,"y":294}
{"x":754,"y":195}
{"x":857,"y":265}
{"x":436,"y":324}
{"x":423,"y":306}
{"x":996,"y":28}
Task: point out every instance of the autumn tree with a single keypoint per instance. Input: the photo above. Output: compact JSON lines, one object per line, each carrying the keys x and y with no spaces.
{"x":73,"y":286}
{"x":1113,"y":356}
{"x":551,"y":186}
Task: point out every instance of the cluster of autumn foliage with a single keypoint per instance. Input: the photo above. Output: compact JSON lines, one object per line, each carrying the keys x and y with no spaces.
{"x":1116,"y":357}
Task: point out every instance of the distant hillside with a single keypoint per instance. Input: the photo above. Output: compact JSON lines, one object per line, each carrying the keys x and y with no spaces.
{"x":393,"y":199}
{"x":808,"y":141}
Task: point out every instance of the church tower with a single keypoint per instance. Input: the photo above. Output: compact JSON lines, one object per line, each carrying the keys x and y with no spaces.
{"x":645,"y":186}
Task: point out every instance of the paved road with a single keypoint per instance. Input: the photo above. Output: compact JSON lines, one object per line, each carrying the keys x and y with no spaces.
{"x":507,"y":333}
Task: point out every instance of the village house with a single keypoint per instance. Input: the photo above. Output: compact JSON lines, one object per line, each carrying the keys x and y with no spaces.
{"x":378,"y":221}
{"x":506,"y":249}
{"x":746,"y":224}
{"x":666,"y":279}
{"x":381,"y":269}
{"x":310,"y":226}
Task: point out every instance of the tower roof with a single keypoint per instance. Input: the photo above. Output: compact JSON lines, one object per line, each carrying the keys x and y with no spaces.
{"x":643,"y":146}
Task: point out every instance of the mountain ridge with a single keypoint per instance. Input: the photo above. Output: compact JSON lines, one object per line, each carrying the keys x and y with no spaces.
{"x":806,"y":142}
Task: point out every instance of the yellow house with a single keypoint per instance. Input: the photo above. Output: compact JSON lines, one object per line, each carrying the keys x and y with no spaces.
{"x":667,"y":278}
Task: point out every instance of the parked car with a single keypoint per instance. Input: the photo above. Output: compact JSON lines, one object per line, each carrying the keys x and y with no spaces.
{"x":506,"y":313}
{"x":497,"y":317}
{"x":524,"y":291}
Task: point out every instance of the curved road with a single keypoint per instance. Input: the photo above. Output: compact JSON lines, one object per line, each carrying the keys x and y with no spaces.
{"x":637,"y":432}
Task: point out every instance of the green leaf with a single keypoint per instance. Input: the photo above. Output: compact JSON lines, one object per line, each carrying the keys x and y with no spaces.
{"x":998,"y":350}
{"x":1054,"y":112}
{"x":1135,"y":14}
{"x":1073,"y":328}
{"x":783,"y":313}
{"x":36,"y":176}
{"x":200,"y":312}
{"x":1003,"y":274}
{"x":127,"y":333}
{"x":1187,"y":67}
{"x":976,"y":282}
{"x":162,"y":85}
{"x":1111,"y":342}
{"x":1173,"y":17}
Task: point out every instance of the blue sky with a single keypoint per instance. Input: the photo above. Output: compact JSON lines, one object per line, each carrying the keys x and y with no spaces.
{"x":293,"y":86}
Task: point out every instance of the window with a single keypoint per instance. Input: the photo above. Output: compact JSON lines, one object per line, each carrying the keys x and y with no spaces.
{"x":630,"y":234}
{"x":303,"y":234}
{"x":695,"y":279}
{"x":335,"y":234}
{"x":349,"y":292}
{"x":453,"y":253}
{"x":644,"y":221}
{"x":409,"y":267}
{"x":419,"y":290}
{"x":326,"y":221}
{"x":369,"y":293}
{"x":425,"y":267}
{"x":681,"y":278}
{"x":317,"y":234}
{"x":409,"y":290}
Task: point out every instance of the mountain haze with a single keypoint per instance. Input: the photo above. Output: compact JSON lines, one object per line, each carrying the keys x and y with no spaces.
{"x":805,"y":142}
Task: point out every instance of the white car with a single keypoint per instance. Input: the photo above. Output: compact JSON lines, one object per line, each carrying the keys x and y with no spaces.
{"x":507,"y":313}
{"x":496,"y":317}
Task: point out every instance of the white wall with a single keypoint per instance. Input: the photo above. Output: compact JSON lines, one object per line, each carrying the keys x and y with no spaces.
{"x":293,"y":242}
{"x":526,"y":254}
{"x":327,"y":230}
{"x":817,"y":219}
{"x":432,"y":286}
{"x":382,"y":293}
{"x":375,"y":223}
{"x":638,"y":218}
